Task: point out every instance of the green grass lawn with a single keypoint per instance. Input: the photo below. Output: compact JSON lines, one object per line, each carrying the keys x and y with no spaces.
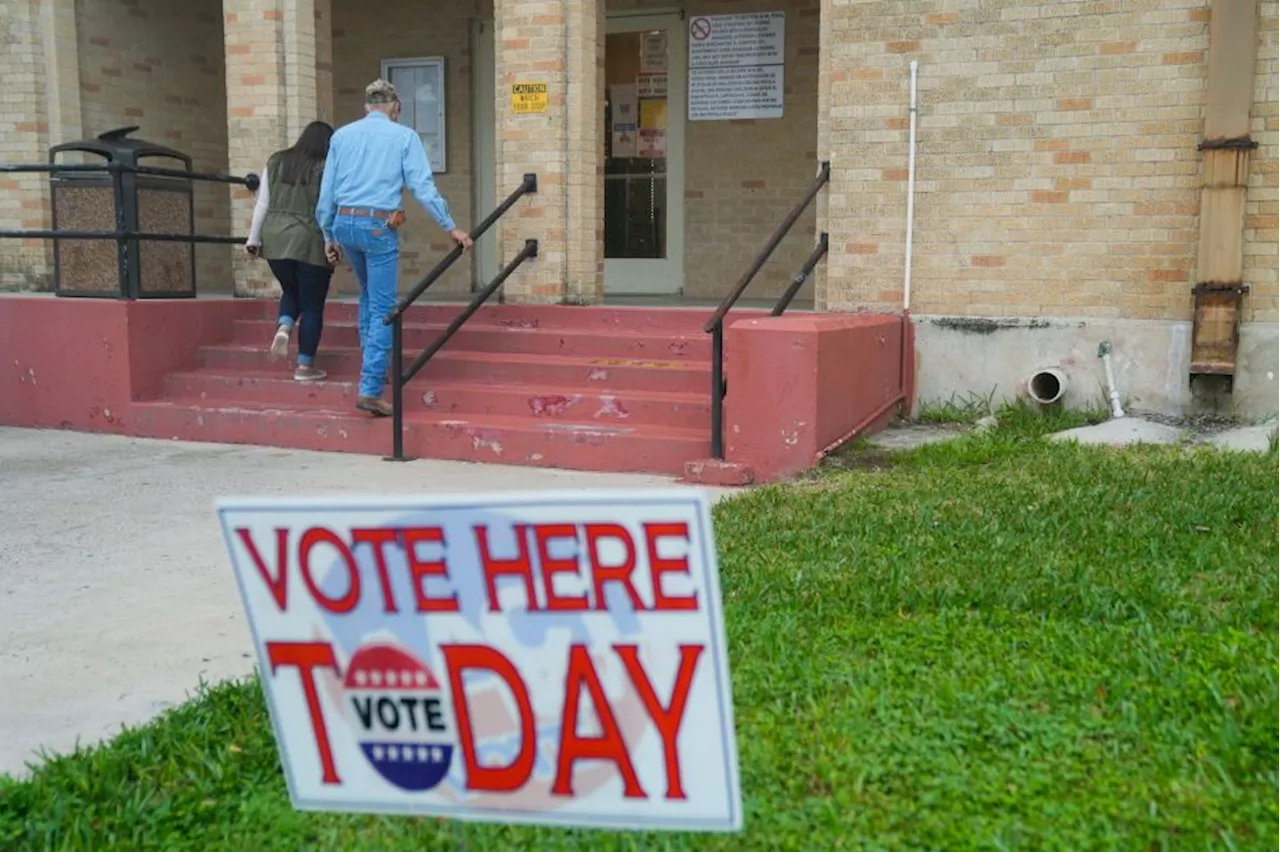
{"x":997,"y":643}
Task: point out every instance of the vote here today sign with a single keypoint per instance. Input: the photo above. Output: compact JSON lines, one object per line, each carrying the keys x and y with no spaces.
{"x":540,"y":658}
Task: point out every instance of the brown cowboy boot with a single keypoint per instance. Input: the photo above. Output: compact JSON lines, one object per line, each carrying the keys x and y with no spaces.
{"x":375,"y":406}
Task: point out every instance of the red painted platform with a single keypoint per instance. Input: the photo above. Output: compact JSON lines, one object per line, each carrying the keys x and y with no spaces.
{"x":585,"y":388}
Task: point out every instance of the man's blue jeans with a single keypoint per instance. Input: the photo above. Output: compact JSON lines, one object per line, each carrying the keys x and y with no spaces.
{"x":374,"y":252}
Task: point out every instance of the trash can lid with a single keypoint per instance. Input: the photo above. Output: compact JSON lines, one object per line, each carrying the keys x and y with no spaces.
{"x":116,"y":145}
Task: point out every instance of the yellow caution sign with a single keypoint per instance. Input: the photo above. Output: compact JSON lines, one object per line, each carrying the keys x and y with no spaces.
{"x":528,"y":97}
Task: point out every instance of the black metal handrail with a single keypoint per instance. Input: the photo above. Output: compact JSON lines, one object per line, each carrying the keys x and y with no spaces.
{"x":399,"y":375}
{"x":528,"y":185}
{"x":141,"y":236}
{"x":251,"y":181}
{"x":715,"y":325}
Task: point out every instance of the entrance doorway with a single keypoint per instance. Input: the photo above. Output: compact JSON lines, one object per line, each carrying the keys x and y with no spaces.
{"x":645,"y":91}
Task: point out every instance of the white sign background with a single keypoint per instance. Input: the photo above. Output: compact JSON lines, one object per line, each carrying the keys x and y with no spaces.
{"x":736,"y":66}
{"x":537,"y":644}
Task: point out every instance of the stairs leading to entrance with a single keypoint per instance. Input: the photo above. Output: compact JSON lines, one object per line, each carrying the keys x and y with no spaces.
{"x":585,"y":388}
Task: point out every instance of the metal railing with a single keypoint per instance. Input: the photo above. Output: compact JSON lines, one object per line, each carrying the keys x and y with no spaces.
{"x":125,"y":196}
{"x":715,"y":325}
{"x":399,"y":375}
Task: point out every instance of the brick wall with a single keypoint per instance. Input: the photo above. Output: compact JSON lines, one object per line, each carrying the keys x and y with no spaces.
{"x":1261,"y":198}
{"x":407,"y":29}
{"x":1057,"y":168}
{"x":159,"y":65}
{"x":24,"y":130}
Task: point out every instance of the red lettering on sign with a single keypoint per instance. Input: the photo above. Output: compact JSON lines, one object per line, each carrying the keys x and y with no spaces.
{"x":621,"y":573}
{"x":279,"y":584}
{"x":419,"y":569}
{"x":319,"y":535}
{"x":659,"y":566}
{"x":608,"y":746}
{"x":666,"y":719}
{"x":519,"y":566}
{"x":492,"y":779}
{"x":307,"y":657}
{"x":378,"y":539}
{"x":543,"y":534}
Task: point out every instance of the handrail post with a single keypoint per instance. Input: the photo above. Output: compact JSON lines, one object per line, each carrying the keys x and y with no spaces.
{"x":717,"y":391}
{"x":397,"y":391}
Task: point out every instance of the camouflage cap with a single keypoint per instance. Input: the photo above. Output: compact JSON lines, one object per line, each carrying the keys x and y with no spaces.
{"x":380,"y":92}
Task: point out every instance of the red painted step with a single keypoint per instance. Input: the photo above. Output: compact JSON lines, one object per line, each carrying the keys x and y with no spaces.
{"x":620,"y":389}
{"x":606,"y":374}
{"x":493,"y":439}
{"x":495,"y":338}
{"x":451,"y":396}
{"x":658,"y":321}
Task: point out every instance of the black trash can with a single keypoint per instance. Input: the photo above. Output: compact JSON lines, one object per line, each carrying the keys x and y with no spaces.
{"x":101,"y":201}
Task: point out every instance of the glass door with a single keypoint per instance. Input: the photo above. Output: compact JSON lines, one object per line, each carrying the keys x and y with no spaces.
{"x":644,"y":156}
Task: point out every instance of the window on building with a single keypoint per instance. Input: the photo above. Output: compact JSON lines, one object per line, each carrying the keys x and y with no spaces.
{"x":420,"y":84}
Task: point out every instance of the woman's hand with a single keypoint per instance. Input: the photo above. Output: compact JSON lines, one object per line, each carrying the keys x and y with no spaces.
{"x":253,"y":251}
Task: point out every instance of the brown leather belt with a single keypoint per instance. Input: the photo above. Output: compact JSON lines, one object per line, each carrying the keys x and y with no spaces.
{"x":366,"y":212}
{"x":393,"y":218}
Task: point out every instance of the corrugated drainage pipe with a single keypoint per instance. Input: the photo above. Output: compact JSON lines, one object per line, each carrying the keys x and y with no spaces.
{"x":1047,"y":386}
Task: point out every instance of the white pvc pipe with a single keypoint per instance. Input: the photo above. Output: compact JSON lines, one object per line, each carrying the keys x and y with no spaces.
{"x":1047,"y":386}
{"x":1104,"y":352}
{"x":911,"y":191}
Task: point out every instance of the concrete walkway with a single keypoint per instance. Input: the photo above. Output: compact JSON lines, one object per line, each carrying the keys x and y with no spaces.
{"x":116,"y":597}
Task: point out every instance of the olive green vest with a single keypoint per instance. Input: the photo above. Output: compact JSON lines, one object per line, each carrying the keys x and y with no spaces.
{"x":290,"y":231}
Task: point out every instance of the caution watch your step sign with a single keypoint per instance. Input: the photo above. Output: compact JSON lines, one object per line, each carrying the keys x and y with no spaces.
{"x":528,"y":97}
{"x":546,"y":658}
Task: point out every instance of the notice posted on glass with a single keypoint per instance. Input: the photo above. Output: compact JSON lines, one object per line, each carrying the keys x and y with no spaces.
{"x":736,"y":66}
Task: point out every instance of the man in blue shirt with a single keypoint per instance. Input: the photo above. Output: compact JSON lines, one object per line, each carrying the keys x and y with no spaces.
{"x":371,"y":162}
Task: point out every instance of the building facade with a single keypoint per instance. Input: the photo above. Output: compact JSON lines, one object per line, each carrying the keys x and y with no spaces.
{"x":1062,"y":196}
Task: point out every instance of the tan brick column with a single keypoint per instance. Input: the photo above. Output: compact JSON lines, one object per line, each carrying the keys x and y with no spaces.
{"x":273,"y":80}
{"x":560,"y":43}
{"x":41,"y":108}
{"x":865,"y":140}
{"x":822,"y":206}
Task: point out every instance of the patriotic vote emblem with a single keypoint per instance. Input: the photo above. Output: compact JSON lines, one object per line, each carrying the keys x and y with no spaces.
{"x":400,"y":715}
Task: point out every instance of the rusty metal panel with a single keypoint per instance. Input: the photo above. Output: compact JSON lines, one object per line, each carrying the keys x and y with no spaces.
{"x":1215,"y":330}
{"x":1221,"y":256}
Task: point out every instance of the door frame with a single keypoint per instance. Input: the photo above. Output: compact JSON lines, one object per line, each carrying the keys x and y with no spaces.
{"x":484,"y":160}
{"x":634,"y":276}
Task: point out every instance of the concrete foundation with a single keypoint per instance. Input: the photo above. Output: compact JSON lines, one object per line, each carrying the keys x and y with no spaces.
{"x":957,"y":356}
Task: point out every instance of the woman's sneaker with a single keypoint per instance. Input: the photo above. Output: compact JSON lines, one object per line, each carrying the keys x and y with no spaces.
{"x":308,"y":374}
{"x":280,"y":343}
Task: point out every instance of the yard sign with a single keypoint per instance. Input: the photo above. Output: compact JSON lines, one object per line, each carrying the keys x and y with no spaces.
{"x":537,"y":658}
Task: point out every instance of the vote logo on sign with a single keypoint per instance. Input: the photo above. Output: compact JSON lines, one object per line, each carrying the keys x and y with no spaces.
{"x":397,"y":709}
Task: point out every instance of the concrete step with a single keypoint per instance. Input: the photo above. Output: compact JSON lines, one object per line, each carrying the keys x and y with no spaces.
{"x":444,"y":396}
{"x":491,"y":438}
{"x":603,"y":375}
{"x":594,"y":342}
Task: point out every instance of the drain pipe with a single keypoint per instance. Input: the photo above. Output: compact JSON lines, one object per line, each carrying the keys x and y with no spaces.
{"x":1047,"y":386}
{"x":911,"y":191}
{"x":1104,"y":352}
